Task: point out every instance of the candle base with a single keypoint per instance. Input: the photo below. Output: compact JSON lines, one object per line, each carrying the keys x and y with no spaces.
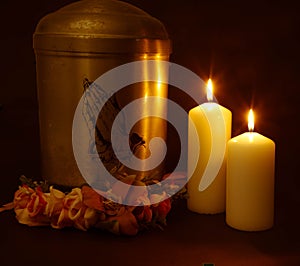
{"x":212,"y":200}
{"x":249,"y":228}
{"x":198,"y":210}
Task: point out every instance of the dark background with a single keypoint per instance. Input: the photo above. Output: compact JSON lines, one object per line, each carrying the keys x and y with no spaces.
{"x":251,"y":51}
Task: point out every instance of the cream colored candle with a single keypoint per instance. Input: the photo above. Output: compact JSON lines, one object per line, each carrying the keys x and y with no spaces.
{"x":250,"y":181}
{"x":209,"y":131}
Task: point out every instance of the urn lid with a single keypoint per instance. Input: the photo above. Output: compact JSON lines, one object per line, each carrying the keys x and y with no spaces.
{"x":101,"y":26}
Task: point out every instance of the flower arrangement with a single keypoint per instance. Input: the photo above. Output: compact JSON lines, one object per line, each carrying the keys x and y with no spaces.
{"x":38,"y":204}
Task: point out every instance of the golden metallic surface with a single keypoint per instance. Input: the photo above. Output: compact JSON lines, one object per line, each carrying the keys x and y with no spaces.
{"x":101,"y":26}
{"x":78,"y":43}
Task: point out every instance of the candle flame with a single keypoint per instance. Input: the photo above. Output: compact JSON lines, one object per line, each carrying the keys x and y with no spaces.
{"x":209,"y":90}
{"x":251,"y":121}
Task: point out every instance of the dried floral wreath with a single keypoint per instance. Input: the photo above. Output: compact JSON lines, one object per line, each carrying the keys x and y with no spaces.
{"x":36,"y":203}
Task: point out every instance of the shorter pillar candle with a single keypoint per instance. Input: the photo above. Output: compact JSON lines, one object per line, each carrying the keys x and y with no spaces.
{"x":250,"y":181}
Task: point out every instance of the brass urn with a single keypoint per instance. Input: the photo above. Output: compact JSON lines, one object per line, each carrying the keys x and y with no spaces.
{"x":73,"y":47}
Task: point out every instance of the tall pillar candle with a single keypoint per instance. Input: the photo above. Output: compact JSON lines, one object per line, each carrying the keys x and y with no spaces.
{"x":209,"y":131}
{"x":250,"y":181}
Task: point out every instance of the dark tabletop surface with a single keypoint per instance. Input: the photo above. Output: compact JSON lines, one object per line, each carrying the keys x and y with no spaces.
{"x":252,"y":51}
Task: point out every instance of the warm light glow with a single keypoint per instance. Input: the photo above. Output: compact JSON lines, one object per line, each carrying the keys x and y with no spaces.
{"x":251,"y":121}
{"x":209,"y":90}
{"x":158,"y":74}
{"x":145,"y":56}
{"x":146,"y":97}
{"x":159,"y":84}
